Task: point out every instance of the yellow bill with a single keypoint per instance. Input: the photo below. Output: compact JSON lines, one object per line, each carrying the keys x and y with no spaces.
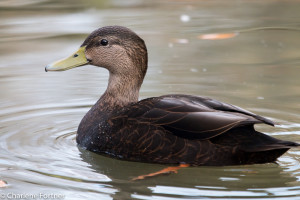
{"x":75,"y":60}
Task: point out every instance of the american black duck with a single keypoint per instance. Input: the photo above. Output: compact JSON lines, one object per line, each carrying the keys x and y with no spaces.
{"x":169,"y":129}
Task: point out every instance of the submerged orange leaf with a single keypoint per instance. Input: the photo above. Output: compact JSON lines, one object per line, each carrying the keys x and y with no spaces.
{"x":217,"y":36}
{"x":2,"y":183}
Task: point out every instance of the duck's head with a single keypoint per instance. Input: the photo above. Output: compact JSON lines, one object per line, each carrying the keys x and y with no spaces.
{"x":115,"y":48}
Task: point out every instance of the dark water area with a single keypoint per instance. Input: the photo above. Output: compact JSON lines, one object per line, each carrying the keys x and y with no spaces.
{"x":238,"y":51}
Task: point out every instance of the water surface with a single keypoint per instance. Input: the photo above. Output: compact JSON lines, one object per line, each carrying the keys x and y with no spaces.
{"x":242,"y":52}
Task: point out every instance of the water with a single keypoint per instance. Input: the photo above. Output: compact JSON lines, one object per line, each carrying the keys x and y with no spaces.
{"x":252,"y":62}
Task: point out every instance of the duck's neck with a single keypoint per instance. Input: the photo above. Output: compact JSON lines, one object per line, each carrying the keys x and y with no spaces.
{"x":121,"y":91}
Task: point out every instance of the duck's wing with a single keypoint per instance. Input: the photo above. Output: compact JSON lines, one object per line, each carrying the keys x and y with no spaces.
{"x":192,"y":117}
{"x":218,"y":106}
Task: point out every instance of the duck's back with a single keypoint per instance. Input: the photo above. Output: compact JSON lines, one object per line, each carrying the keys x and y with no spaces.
{"x":180,"y":129}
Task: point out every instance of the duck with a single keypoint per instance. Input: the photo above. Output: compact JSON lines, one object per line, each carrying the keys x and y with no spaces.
{"x":168,"y":129}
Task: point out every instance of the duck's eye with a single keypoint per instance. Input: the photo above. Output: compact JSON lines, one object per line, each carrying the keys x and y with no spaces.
{"x":104,"y":42}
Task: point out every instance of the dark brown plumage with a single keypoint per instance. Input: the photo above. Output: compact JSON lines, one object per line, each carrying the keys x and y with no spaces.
{"x":167,"y":129}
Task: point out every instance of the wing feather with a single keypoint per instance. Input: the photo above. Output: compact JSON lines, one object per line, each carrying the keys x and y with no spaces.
{"x":191,"y":117}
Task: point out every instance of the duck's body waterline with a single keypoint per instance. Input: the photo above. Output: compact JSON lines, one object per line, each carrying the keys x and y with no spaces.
{"x":167,"y":129}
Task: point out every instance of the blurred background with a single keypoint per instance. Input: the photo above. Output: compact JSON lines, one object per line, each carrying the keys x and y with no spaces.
{"x":243,"y":52}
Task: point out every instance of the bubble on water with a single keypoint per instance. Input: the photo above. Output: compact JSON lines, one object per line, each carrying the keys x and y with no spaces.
{"x":182,"y":41}
{"x":185,"y":18}
{"x":194,"y":70}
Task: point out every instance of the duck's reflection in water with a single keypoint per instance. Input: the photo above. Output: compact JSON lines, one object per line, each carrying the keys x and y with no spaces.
{"x":234,"y":181}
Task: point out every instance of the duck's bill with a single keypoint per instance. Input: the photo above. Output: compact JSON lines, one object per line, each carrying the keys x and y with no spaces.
{"x":75,"y":60}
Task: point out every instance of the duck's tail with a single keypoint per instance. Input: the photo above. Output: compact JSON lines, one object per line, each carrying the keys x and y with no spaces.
{"x":265,"y":153}
{"x":255,"y":147}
